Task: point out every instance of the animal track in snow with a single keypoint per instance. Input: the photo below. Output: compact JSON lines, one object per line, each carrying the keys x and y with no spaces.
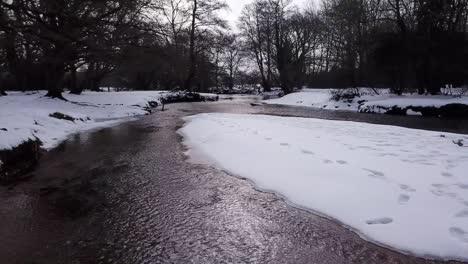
{"x":380,"y":221}
{"x":342,"y":162}
{"x":327,"y":161}
{"x":403,"y":199}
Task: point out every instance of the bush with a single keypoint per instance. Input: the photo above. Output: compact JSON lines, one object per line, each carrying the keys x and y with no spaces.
{"x":186,"y":97}
{"x":346,"y":95}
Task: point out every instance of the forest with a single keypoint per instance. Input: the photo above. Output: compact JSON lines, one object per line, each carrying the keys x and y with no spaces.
{"x":73,"y":45}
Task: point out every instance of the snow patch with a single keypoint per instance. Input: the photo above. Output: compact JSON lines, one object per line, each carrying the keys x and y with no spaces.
{"x":25,"y":116}
{"x":368,"y":101}
{"x":402,"y":188}
{"x":410,"y":112}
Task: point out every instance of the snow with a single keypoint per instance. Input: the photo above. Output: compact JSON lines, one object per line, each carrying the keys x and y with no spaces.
{"x":321,"y":98}
{"x":26,"y":115}
{"x":307,"y":97}
{"x":401,"y":188}
{"x":413,"y":113}
{"x":416,"y":101}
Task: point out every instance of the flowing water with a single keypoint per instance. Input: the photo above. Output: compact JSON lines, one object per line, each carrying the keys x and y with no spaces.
{"x":126,"y":194}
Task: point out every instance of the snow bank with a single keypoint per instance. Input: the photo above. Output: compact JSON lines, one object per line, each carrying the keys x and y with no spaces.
{"x":26,"y":116}
{"x":307,"y":97}
{"x":321,"y":98}
{"x":410,"y":102}
{"x":405,"y":189}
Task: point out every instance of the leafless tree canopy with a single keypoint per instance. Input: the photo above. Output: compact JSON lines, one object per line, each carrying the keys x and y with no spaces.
{"x":185,"y":44}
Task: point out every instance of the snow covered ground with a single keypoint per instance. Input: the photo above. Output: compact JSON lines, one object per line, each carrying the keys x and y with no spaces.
{"x":402,"y":188}
{"x":321,"y":98}
{"x":25,"y":116}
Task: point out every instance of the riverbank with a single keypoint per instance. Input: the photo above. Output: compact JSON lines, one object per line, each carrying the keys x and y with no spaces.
{"x":378,"y":101}
{"x":30,"y":121}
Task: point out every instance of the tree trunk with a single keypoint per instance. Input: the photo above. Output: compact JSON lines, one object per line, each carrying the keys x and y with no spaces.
{"x":54,"y":82}
{"x":2,"y":89}
{"x":2,"y":85}
{"x":191,"y":73}
{"x":266,"y":85}
{"x":74,"y":87}
{"x":231,"y":78}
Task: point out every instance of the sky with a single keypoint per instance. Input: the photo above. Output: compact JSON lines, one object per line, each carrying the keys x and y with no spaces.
{"x":237,"y":5}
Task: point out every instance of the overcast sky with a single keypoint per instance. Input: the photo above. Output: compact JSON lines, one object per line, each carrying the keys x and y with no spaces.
{"x":237,"y":5}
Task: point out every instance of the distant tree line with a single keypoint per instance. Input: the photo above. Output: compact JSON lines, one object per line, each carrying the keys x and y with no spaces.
{"x":185,"y":44}
{"x":140,"y":44}
{"x":416,"y":44}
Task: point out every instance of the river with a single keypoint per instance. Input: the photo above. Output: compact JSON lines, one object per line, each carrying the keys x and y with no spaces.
{"x":126,"y":194}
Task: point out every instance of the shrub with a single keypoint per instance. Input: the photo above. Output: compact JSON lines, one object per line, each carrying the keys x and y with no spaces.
{"x":346,"y":95}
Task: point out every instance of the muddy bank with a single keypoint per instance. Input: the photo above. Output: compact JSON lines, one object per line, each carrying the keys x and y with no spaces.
{"x":16,"y":163}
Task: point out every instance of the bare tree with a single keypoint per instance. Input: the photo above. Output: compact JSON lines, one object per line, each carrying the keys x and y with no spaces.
{"x":204,"y":18}
{"x":232,"y":56}
{"x":257,"y":30}
{"x":64,"y":30}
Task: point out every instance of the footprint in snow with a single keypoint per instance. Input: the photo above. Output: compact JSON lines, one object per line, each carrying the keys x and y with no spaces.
{"x":308,"y":152}
{"x":375,"y":174}
{"x":438,"y":185}
{"x":462,"y":214}
{"x":447,"y":174}
{"x":463,"y":186}
{"x":327,"y":161}
{"x":407,"y":188}
{"x":388,"y":155}
{"x":342,"y":162}
{"x":268,"y":138}
{"x":451,"y":166}
{"x":459,"y":234}
{"x":380,"y":221}
{"x":403,"y":198}
{"x":284,"y":144}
